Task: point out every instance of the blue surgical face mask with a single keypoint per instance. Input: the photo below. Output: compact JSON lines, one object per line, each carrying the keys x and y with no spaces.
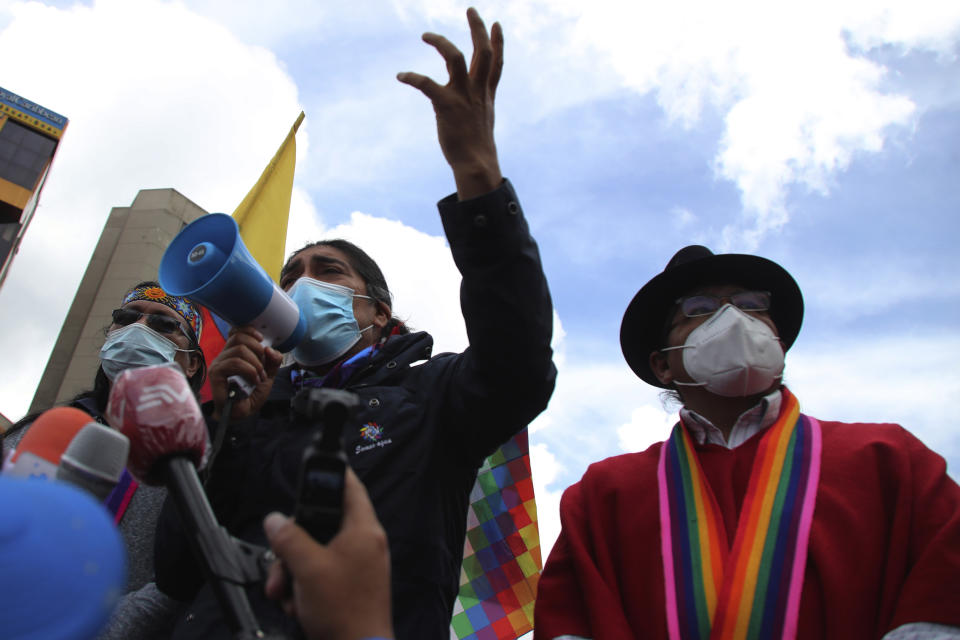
{"x":135,"y":345}
{"x":331,"y":326}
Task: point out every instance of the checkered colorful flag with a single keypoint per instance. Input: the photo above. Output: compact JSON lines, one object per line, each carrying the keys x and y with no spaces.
{"x":501,"y":556}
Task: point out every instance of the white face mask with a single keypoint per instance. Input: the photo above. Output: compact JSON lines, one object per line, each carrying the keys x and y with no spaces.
{"x":732,"y":354}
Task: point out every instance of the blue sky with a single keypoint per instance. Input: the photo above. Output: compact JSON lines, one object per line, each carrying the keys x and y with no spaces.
{"x":822,"y":135}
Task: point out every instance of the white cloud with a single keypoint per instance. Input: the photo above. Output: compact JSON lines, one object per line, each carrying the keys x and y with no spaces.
{"x":157,"y":97}
{"x":648,"y":424}
{"x":683,"y":218}
{"x":931,"y":25}
{"x":305,"y":223}
{"x":882,"y":285}
{"x":579,"y":427}
{"x":794,"y":85}
{"x":893,"y":378}
{"x":545,"y":469}
{"x":591,"y":399}
{"x":798,"y":104}
{"x":270,"y":25}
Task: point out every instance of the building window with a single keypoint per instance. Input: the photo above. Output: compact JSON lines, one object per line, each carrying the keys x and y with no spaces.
{"x":23,"y":154}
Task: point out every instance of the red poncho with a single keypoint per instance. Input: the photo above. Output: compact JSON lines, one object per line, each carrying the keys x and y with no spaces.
{"x":884,"y":544}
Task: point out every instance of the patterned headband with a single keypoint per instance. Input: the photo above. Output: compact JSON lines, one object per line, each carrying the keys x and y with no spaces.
{"x":183,"y":306}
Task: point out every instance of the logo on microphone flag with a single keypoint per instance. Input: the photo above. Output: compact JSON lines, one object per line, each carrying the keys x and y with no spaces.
{"x":501,"y":555}
{"x":262,"y":217}
{"x":161,"y":394}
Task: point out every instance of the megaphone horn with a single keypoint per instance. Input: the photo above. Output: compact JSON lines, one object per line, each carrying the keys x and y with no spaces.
{"x":208,"y":262}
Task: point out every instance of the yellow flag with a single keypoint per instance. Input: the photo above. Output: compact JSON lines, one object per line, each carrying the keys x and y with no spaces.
{"x":262,"y":216}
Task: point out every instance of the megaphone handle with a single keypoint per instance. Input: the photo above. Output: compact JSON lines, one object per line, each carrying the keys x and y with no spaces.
{"x":243,"y":387}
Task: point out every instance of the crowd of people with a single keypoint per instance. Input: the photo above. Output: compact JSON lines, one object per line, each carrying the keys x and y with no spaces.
{"x":751,"y":520}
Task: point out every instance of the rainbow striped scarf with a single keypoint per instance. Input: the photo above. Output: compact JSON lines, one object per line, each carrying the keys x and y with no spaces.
{"x":752,"y":590}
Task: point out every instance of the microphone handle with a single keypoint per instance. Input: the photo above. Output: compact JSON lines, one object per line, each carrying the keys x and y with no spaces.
{"x":213,"y":546}
{"x":244,"y":387}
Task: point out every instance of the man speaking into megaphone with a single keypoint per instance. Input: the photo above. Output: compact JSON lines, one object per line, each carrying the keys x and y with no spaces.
{"x":422,"y":431}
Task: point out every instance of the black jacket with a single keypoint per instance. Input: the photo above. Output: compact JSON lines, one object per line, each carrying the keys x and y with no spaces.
{"x":437,"y":418}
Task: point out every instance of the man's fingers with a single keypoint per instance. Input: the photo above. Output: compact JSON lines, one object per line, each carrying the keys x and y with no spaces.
{"x":272,"y":359}
{"x":486,"y":64}
{"x":480,"y":63}
{"x":239,"y":359}
{"x":289,"y":541}
{"x":456,"y":65}
{"x":496,"y":64}
{"x":480,"y":70}
{"x":276,"y":587}
{"x":478,"y":31}
{"x":427,"y":86}
{"x":245,"y":346}
{"x":238,"y":367}
{"x":245,"y":330}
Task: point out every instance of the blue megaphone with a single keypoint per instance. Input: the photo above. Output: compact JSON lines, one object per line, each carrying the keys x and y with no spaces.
{"x":208,"y":262}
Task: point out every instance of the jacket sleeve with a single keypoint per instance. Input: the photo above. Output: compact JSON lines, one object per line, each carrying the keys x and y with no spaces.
{"x":573,"y":598}
{"x":506,"y":376}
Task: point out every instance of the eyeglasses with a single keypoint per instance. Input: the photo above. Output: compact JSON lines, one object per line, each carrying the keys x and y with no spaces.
{"x":704,"y":304}
{"x":156,"y":321}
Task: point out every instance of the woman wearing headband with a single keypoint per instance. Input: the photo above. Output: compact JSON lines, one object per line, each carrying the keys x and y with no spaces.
{"x":149,"y":327}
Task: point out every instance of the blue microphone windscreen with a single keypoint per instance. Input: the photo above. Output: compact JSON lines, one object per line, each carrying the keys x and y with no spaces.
{"x":63,"y":565}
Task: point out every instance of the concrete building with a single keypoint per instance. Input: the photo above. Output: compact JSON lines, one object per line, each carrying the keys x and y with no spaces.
{"x":129,"y":251}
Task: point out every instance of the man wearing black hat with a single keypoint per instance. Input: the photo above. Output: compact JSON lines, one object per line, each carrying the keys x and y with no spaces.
{"x":752,"y":519}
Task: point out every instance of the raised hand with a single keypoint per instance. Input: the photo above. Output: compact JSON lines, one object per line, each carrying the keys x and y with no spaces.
{"x":464,"y":106}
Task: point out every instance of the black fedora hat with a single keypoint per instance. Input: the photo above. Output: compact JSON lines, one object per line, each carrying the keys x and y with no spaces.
{"x":641,"y":331}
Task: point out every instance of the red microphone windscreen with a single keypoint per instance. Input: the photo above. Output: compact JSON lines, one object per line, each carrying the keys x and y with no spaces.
{"x":155,"y":408}
{"x":39,"y":452}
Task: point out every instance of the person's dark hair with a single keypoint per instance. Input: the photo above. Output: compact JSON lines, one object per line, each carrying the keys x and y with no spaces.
{"x":670,"y":399}
{"x":367,"y":268}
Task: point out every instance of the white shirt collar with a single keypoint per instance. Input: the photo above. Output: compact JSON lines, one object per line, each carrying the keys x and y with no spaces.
{"x":752,"y":421}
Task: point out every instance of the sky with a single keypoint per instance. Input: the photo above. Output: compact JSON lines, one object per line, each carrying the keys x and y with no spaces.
{"x":823,"y":135}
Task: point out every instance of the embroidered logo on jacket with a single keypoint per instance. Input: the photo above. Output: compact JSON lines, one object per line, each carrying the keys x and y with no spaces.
{"x":371,"y":433}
